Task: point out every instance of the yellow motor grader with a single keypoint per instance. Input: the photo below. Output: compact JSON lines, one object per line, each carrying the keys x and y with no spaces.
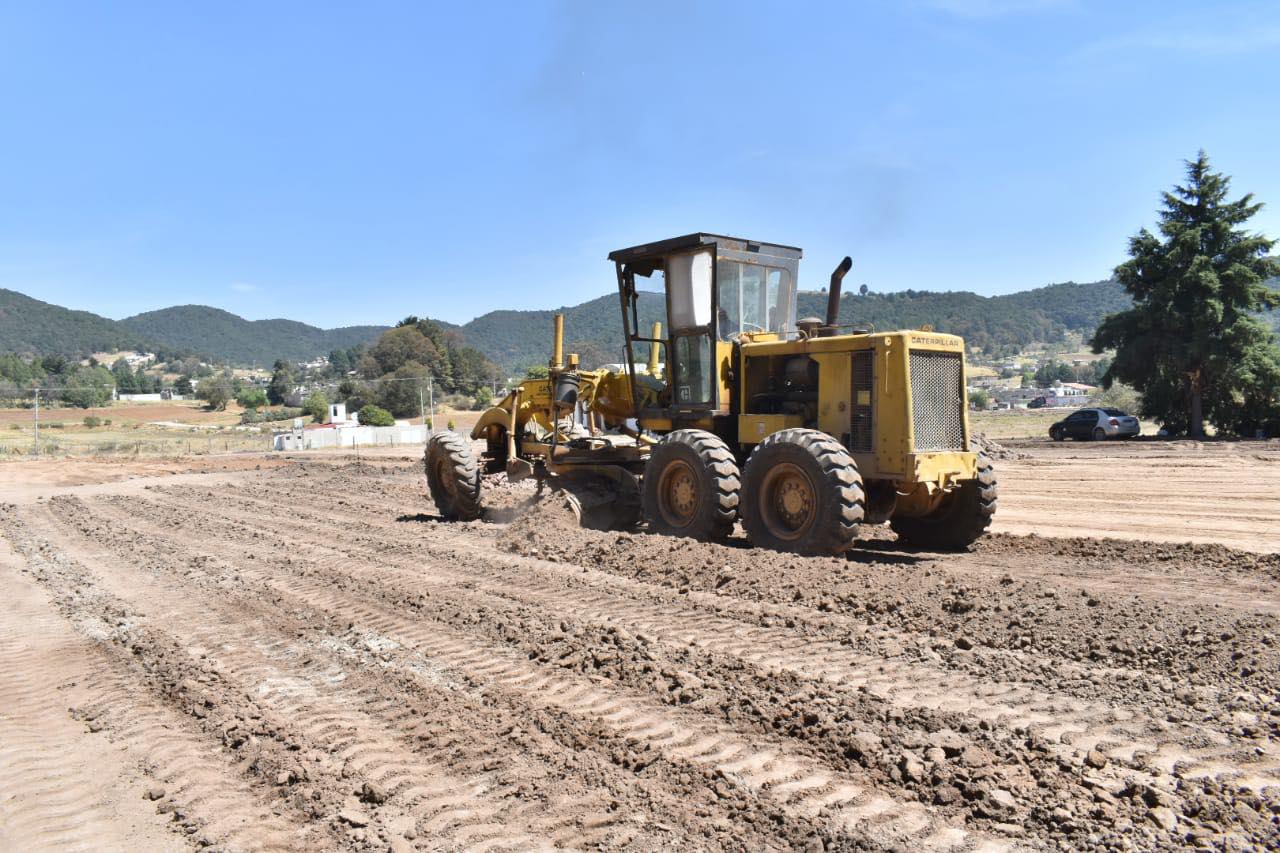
{"x":801,"y":429}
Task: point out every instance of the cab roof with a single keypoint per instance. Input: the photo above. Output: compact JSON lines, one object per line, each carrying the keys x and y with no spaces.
{"x":648,"y":256}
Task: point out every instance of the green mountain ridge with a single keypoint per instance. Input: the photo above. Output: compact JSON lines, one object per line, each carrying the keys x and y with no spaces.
{"x":517,"y":339}
{"x":230,"y":338}
{"x":32,"y":327}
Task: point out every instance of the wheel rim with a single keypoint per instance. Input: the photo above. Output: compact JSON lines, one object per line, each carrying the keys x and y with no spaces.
{"x":788,"y":501}
{"x":678,"y":493}
{"x":444,"y":476}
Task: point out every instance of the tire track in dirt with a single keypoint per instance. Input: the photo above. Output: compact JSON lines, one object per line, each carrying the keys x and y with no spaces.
{"x":799,"y":786}
{"x":1072,"y":727}
{"x":55,"y":801}
{"x":292,"y":695}
{"x":1089,"y":570}
{"x":1208,"y":761}
{"x":48,"y":803}
{"x":349,"y":563}
{"x":132,"y":546}
{"x":1091,"y":561}
{"x":378,"y":564}
{"x":1144,"y":493}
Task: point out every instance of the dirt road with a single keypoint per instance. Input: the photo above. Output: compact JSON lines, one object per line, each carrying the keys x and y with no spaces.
{"x":303,"y":657}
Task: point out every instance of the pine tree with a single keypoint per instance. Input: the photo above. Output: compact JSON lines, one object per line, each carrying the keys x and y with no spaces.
{"x":282,"y":381}
{"x":1191,"y":343}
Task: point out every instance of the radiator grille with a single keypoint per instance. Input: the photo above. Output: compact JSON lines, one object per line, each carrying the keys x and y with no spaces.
{"x":861,"y":422}
{"x":937,"y":400}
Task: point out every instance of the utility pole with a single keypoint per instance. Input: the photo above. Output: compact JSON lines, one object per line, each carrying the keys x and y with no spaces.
{"x":37,"y":430}
{"x":431,"y":392}
{"x":422,"y":406}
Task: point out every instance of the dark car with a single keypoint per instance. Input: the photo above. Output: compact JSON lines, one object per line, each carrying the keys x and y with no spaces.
{"x":1095,"y":425}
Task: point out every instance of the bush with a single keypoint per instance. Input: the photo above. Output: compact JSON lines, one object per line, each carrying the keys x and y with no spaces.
{"x":317,"y":406}
{"x":1120,"y":396}
{"x":56,"y":425}
{"x":372,"y":415}
{"x":252,"y":398}
{"x":107,"y":422}
{"x":449,"y":425}
{"x":253,"y":416}
{"x":979,"y":400}
{"x":15,"y":426}
{"x":92,"y":421}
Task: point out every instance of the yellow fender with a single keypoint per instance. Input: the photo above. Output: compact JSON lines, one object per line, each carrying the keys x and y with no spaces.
{"x":493,"y":416}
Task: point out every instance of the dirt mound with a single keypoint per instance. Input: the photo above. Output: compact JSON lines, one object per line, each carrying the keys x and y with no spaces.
{"x":993,"y":449}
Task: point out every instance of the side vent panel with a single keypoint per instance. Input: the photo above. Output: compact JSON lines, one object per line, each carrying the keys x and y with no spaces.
{"x":861,"y":420}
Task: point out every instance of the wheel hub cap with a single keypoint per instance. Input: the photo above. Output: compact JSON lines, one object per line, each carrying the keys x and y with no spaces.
{"x":788,"y":501}
{"x":679,"y":493}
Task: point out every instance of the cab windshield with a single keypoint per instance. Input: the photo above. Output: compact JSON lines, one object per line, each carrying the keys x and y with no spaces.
{"x":751,"y":298}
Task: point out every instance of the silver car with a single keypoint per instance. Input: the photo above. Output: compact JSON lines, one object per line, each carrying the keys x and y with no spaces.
{"x":1095,"y":425}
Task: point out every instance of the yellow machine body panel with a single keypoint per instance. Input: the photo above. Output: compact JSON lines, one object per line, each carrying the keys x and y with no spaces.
{"x":896,"y":400}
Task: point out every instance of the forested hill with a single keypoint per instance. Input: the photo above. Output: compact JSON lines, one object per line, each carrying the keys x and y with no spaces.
{"x":32,"y":327}
{"x":517,"y":339}
{"x":227,"y":337}
{"x":998,"y":324}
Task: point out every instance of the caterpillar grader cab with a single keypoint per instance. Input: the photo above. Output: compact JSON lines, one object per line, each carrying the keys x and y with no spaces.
{"x":801,"y":429}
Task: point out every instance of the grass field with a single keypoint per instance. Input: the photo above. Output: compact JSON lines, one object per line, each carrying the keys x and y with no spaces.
{"x":1015,"y":423}
{"x":1026,"y":423}
{"x":183,"y":411}
{"x":79,"y":440}
{"x":132,"y":430}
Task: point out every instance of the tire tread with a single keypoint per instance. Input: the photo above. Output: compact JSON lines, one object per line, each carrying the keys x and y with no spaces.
{"x":464,"y":504}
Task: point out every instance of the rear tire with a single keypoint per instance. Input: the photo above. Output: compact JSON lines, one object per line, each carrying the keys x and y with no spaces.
{"x":453,"y":476}
{"x":802,"y":494}
{"x":961,"y":520}
{"x":691,"y":485}
{"x":1099,"y":434}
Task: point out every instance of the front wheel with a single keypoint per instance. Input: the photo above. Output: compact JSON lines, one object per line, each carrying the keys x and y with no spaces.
{"x":962,"y":518}
{"x":802,"y":493}
{"x":691,"y":485}
{"x":453,"y":476}
{"x":1056,"y":434}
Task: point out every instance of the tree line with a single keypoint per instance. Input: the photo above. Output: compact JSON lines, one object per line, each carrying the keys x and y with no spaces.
{"x":61,"y":379}
{"x":1193,"y":343}
{"x":394,"y":374}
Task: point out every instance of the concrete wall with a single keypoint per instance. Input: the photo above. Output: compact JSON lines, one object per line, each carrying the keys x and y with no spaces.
{"x":148,"y":398}
{"x":354,"y":436}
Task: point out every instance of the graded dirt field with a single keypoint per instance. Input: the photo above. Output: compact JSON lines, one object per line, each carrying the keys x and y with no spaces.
{"x":301,"y":655}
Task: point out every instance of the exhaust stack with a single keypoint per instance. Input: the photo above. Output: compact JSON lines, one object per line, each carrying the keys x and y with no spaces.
{"x":557,"y":344}
{"x":833,"y":293}
{"x":653,"y":349}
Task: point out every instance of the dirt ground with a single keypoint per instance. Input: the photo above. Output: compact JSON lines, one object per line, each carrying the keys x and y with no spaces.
{"x":294,"y":652}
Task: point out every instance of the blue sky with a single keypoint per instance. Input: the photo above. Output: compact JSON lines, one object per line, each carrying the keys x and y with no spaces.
{"x":354,"y":163}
